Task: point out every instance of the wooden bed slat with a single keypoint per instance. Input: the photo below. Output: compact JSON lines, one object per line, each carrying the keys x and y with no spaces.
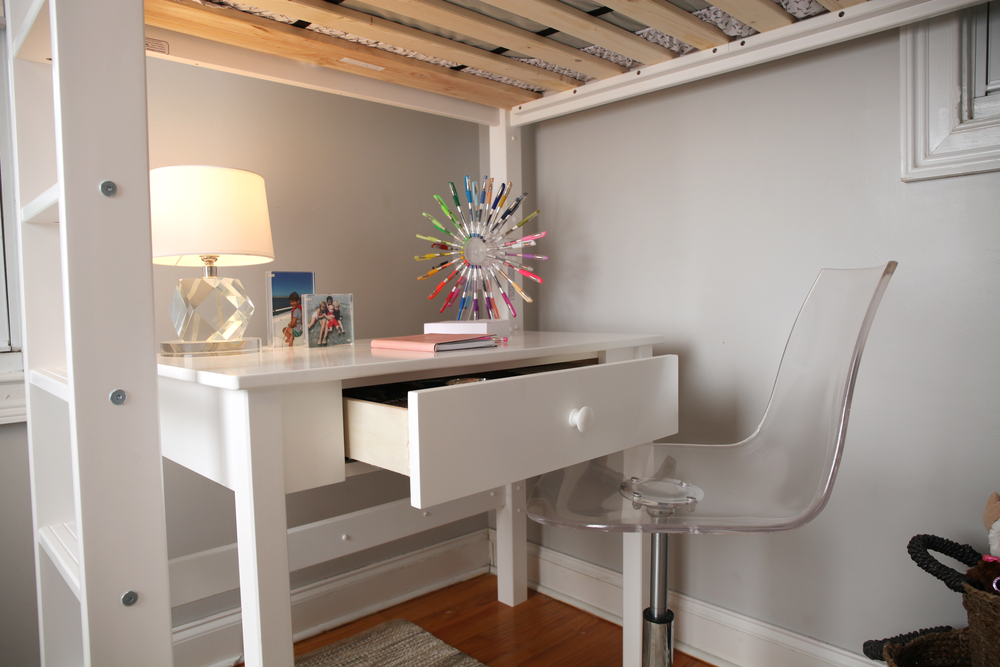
{"x":671,"y":20}
{"x":467,"y":22}
{"x":761,"y":15}
{"x":372,"y":27}
{"x":580,"y":24}
{"x":259,"y":34}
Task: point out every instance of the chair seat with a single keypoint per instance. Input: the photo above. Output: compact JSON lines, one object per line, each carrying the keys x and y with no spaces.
{"x":777,"y":479}
{"x":597,"y":494}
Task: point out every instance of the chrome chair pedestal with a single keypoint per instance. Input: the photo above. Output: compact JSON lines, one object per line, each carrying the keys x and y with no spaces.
{"x":657,"y":620}
{"x":657,"y":641}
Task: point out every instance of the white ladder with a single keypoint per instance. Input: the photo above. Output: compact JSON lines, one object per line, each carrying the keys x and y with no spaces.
{"x":81,"y":183}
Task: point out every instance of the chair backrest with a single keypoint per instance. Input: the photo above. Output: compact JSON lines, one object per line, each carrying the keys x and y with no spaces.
{"x":777,"y":479}
{"x":800,"y":439}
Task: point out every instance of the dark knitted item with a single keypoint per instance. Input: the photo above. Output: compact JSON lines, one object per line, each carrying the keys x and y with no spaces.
{"x":940,"y":649}
{"x":873,"y":648}
{"x":987,"y":574}
{"x":963,"y":553}
{"x":975,"y":646}
{"x":984,"y":627}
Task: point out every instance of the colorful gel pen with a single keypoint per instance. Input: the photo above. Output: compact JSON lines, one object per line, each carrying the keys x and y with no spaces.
{"x":438,"y":268}
{"x":454,"y":290}
{"x":525,"y":239}
{"x":521,"y":224}
{"x":458,"y":204}
{"x":509,"y":212}
{"x":496,"y":202}
{"x":517,"y":288}
{"x":438,"y":224}
{"x":508,"y":186}
{"x":525,"y":255}
{"x":432,"y":255}
{"x":524,"y":272}
{"x":475,"y":294}
{"x":510,"y":306}
{"x":444,"y":282}
{"x":465,"y":295}
{"x":451,"y":216}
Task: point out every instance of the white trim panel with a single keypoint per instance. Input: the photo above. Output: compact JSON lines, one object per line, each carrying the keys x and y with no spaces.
{"x":819,"y":31}
{"x":936,"y":140}
{"x":215,"y":571}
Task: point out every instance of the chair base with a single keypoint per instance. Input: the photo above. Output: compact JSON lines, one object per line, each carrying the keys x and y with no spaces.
{"x":657,"y":640}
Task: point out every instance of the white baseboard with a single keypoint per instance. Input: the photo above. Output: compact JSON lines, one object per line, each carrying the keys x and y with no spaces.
{"x":718,"y":636}
{"x":217,"y":641}
{"x":705,"y":631}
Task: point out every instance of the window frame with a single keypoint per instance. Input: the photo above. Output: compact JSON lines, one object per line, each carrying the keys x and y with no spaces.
{"x":944,"y":131}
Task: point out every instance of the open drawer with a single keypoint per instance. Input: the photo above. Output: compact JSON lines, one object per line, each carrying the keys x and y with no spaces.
{"x":454,"y":441}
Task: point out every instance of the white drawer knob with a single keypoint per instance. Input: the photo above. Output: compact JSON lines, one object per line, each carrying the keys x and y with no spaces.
{"x":582,"y":418}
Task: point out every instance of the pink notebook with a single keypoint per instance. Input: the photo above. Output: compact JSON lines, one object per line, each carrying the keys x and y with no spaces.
{"x":434,"y":342}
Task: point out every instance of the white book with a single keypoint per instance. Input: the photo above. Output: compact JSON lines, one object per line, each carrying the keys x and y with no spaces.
{"x":484,"y":327}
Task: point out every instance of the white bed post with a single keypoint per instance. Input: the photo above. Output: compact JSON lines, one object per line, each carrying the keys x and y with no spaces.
{"x":512,"y":547}
{"x":505,"y":165}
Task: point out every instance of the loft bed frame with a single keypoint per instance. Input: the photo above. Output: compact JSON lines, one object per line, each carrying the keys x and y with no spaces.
{"x":535,"y":59}
{"x":76,"y":78}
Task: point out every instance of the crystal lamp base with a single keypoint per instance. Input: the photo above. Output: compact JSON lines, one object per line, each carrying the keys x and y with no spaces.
{"x":210,"y":309}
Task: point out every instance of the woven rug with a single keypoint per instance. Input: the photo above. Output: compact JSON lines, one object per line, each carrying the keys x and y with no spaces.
{"x":393,"y":644}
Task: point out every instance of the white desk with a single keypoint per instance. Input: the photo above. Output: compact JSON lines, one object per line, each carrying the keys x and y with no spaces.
{"x":247,"y":422}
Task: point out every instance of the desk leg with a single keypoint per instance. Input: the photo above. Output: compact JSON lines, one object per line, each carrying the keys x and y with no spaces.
{"x":512,"y":546}
{"x":253,"y":437}
{"x":635,"y":594}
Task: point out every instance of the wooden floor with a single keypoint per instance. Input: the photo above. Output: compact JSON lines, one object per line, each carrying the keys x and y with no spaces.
{"x":541,"y":632}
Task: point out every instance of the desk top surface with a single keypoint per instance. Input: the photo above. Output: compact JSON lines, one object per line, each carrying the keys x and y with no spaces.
{"x":277,"y":366}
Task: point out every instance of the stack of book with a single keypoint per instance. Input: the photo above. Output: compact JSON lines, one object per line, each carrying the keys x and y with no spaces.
{"x":431,"y":342}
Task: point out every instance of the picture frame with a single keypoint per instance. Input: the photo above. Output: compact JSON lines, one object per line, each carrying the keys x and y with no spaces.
{"x":329,"y":319}
{"x":281,"y":287}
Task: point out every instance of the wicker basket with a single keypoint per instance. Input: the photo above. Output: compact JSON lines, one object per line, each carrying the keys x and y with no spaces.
{"x":938,"y":649}
{"x":984,"y":626}
{"x":975,"y":646}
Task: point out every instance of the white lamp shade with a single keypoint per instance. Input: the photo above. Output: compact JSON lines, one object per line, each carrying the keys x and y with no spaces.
{"x":200,"y":210}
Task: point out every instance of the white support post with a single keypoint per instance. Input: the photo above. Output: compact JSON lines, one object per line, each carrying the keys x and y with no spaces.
{"x":635,"y":546}
{"x":635,"y":594}
{"x":512,"y":546}
{"x":512,"y":530}
{"x":253,"y":432}
{"x":505,"y":165}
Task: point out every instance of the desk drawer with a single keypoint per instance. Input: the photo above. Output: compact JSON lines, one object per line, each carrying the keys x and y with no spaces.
{"x":458,"y":440}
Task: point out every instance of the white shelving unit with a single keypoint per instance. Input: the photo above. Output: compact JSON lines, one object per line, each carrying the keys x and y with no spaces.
{"x":79,"y":124}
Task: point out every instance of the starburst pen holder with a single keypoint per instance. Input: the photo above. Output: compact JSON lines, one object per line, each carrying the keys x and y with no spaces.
{"x":209,"y":217}
{"x":480,"y":251}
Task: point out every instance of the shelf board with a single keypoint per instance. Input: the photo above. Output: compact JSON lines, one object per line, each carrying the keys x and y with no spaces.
{"x":34,"y":39}
{"x":44,"y":208}
{"x":53,"y":380}
{"x":61,"y":544}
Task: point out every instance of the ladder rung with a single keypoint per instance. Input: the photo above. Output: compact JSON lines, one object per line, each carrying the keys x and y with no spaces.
{"x":62,"y":546}
{"x":34,"y":39}
{"x":43,"y":208}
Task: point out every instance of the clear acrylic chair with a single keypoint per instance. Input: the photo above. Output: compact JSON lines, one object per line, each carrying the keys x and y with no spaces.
{"x":779,"y":478}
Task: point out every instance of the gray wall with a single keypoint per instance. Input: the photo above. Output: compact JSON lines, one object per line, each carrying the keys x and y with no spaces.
{"x":346,"y":182}
{"x":704,"y":213}
{"x":18,"y":606}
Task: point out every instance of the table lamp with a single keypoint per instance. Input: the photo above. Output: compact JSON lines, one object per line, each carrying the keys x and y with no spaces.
{"x":209,"y":217}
